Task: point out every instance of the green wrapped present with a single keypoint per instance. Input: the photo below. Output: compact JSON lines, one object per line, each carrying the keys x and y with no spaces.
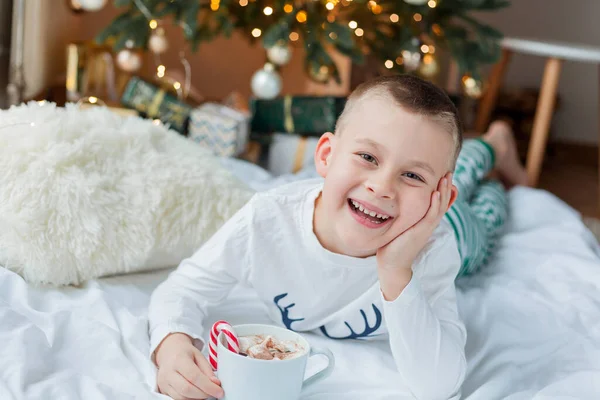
{"x":305,"y":115}
{"x":154,"y":102}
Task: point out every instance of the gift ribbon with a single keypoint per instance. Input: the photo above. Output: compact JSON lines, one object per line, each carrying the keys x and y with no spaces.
{"x":299,"y":157}
{"x":156,"y":102}
{"x":288,"y":118}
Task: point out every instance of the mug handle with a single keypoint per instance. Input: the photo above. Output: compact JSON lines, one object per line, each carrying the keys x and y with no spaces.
{"x":325,"y":372}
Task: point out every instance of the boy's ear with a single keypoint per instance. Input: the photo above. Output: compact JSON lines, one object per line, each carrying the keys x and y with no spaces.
{"x":324,"y":152}
{"x":453,"y":196}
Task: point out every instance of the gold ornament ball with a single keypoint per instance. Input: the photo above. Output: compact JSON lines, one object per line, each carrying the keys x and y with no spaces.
{"x":129,"y":60}
{"x":320,"y":74}
{"x":472,"y":87}
{"x":429,"y":67}
{"x":158,"y":42}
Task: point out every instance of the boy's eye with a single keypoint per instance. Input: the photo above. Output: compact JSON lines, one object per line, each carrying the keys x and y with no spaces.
{"x":411,"y":175}
{"x":367,"y":157}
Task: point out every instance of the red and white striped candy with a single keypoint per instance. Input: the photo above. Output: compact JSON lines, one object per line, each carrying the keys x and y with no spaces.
{"x":232,"y":341}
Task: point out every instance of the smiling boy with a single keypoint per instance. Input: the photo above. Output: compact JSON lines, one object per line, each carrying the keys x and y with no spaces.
{"x":362,"y":253}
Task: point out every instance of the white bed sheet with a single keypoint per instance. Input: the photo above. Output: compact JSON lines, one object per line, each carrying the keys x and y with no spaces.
{"x":532,"y":317}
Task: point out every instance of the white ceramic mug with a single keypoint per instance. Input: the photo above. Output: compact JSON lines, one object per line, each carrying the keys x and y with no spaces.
{"x":244,"y":378}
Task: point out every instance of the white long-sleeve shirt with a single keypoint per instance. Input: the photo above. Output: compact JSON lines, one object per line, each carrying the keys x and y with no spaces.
{"x":270,"y":245}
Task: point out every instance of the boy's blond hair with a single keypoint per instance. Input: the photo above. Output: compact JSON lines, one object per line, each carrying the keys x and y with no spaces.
{"x":414,"y":95}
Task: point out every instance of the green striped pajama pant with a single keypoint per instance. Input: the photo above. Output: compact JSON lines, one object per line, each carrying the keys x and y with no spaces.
{"x":481,"y":208}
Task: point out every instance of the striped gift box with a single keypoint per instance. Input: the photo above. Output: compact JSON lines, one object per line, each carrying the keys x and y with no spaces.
{"x":219,"y":128}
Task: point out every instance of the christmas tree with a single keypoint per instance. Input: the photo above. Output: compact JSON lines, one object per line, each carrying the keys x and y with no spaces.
{"x":402,"y":34}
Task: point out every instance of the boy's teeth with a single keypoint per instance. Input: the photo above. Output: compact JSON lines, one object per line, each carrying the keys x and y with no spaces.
{"x":369,"y":212}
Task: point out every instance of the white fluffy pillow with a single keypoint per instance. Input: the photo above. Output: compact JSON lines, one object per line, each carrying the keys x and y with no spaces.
{"x":85,"y":194}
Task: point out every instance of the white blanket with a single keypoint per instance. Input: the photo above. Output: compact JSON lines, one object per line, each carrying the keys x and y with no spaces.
{"x":533,"y":321}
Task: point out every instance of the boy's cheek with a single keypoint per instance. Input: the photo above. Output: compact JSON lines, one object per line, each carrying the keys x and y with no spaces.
{"x":414,"y":210}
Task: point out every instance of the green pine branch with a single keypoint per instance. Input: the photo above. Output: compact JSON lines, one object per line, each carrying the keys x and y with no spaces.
{"x":448,"y":26}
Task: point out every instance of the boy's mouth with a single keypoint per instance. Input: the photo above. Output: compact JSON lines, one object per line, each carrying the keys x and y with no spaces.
{"x":367,"y":217}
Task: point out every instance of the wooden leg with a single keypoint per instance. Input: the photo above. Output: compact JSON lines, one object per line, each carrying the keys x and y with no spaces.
{"x":543,"y":117}
{"x":486,"y":107}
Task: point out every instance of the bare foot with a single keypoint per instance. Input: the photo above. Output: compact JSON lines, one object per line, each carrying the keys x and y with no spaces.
{"x":508,"y":165}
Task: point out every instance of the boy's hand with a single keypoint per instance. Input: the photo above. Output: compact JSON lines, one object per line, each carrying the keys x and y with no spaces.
{"x":394,"y":260}
{"x":183,"y":372}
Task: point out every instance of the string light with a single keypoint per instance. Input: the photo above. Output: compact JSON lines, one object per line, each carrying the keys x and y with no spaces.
{"x":160,"y":71}
{"x":394,"y":18}
{"x":432,"y":3}
{"x":288,"y":8}
{"x":243,"y":3}
{"x":359,"y":32}
{"x":294,"y":36}
{"x":417,"y":17}
{"x":177,"y":85}
{"x":389,"y":64}
{"x":153,"y":24}
{"x":431,"y":49}
{"x":256,"y":32}
{"x":333,"y":35}
{"x":469,"y":82}
{"x":330,"y":6}
{"x":436,"y":29}
{"x":353,"y":24}
{"x":214,"y":5}
{"x":399,"y":60}
{"x":94,"y":99}
{"x":427,"y":59}
{"x":301,"y":16}
{"x":377,"y":9}
{"x":268,"y":11}
{"x":425,"y":48}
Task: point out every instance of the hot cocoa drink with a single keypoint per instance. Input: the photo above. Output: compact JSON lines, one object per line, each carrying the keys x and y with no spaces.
{"x":266,"y":347}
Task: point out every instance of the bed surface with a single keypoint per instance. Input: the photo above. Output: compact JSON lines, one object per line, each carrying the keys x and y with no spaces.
{"x":532,"y":318}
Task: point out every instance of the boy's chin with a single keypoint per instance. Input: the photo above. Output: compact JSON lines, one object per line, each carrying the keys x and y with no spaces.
{"x":359,"y":245}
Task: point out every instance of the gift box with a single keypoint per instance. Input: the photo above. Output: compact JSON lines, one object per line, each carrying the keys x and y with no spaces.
{"x":154,"y":102}
{"x":222,"y":129}
{"x":304,"y":115}
{"x":91,"y":71}
{"x":289,"y":153}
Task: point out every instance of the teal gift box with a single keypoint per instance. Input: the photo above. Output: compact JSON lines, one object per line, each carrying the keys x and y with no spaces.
{"x":221,"y":129}
{"x":304,"y":115}
{"x":154,"y":102}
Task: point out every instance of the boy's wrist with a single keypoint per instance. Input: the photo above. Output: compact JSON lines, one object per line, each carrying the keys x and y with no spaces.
{"x":171,"y":338}
{"x":393,"y":281}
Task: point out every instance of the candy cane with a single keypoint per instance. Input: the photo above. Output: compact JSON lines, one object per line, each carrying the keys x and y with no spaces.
{"x":232,"y":341}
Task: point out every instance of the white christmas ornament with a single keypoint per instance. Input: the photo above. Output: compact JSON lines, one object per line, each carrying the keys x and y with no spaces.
{"x":266,"y":82}
{"x":158,"y":41}
{"x":129,"y":60}
{"x":416,"y":2}
{"x":92,"y":5}
{"x":280,"y":54}
{"x":411,"y":59}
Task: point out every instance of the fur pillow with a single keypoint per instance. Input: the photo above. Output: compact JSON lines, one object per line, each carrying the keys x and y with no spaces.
{"x":85,"y":194}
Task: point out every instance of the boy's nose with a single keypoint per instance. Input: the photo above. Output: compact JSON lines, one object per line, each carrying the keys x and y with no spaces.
{"x":380,"y":188}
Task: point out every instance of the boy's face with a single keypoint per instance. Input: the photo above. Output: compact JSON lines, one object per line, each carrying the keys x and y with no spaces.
{"x":386,"y":161}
